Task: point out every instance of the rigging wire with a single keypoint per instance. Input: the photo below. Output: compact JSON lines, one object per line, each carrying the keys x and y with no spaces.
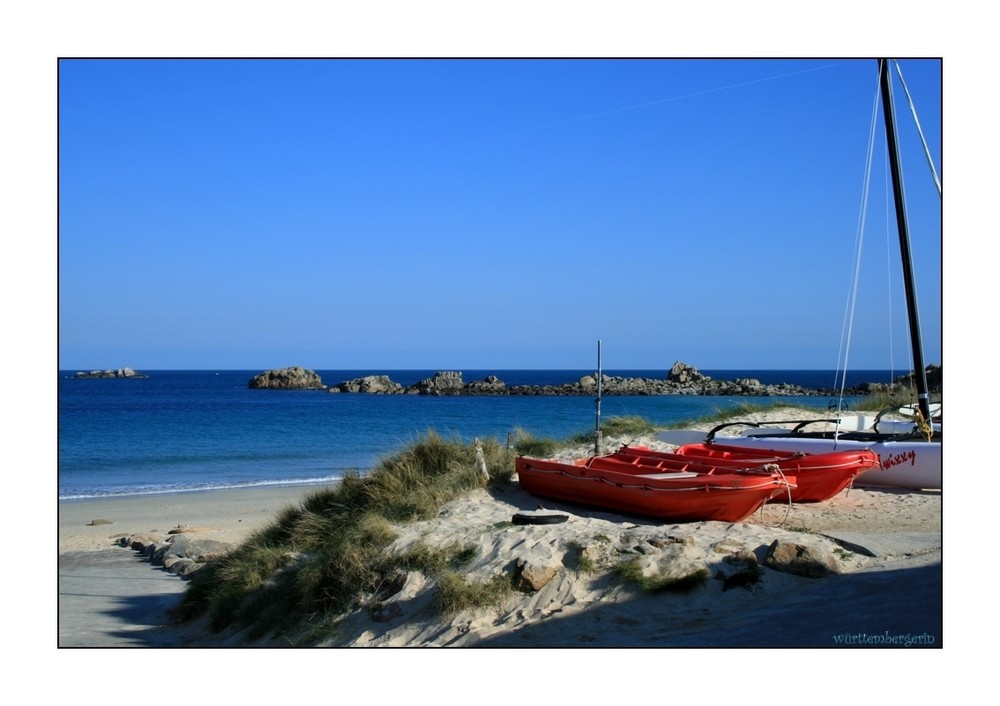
{"x":920,"y":131}
{"x":848,"y":326}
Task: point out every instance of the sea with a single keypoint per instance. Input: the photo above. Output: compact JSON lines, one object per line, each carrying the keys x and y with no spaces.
{"x":184,"y":430}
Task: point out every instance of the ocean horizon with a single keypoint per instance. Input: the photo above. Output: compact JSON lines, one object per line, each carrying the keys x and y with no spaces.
{"x":184,"y":430}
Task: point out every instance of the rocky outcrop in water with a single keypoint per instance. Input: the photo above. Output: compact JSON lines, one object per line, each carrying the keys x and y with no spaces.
{"x":682,"y":379}
{"x":371,"y":384}
{"x":294,"y":378}
{"x":903,"y":382}
{"x":443,"y":383}
{"x":120,"y":373}
{"x":931,"y":372}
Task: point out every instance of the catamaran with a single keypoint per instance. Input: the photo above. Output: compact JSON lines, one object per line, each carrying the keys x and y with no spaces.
{"x":909,"y":451}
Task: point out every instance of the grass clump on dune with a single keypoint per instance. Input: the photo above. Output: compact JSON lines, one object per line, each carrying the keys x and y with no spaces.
{"x":628,"y":426}
{"x":456,"y":594}
{"x":631,"y":572}
{"x":526,"y":444}
{"x":735,"y":413}
{"x":328,"y":555}
{"x":892,"y":399}
{"x":633,"y":426}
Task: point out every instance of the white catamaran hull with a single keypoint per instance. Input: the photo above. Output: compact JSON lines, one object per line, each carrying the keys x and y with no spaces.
{"x":908,"y":463}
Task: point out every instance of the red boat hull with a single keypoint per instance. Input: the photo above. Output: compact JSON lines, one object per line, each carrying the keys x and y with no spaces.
{"x":652,"y":488}
{"x":818,"y":477}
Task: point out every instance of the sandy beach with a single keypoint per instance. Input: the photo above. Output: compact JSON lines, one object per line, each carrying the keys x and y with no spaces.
{"x":113,"y":597}
{"x":224,"y":515}
{"x":886,"y":545}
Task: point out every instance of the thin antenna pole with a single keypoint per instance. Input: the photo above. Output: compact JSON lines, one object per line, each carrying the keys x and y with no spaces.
{"x":597,"y":404}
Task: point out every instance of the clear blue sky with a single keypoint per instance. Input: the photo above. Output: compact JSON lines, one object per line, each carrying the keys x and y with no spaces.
{"x":463,"y":214}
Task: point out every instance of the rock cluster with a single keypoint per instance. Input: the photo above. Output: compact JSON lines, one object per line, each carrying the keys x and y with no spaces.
{"x":120,"y":373}
{"x":294,"y":378}
{"x":179,"y":554}
{"x":443,"y":383}
{"x":794,"y":558}
{"x":904,"y":382}
{"x":931,"y":372}
{"x":682,"y":379}
{"x":371,"y":384}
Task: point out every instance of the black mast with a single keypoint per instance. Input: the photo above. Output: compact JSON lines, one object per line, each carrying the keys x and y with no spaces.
{"x":919,"y":372}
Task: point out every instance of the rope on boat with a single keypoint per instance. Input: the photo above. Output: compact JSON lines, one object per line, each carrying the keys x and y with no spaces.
{"x":926,"y":430}
{"x":788,"y":489}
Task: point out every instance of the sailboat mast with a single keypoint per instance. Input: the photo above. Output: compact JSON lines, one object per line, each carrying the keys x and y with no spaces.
{"x":919,"y":372}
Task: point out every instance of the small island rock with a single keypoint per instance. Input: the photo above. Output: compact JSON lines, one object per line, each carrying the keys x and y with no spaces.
{"x":371,"y":384}
{"x":119,"y":373}
{"x":294,"y":378}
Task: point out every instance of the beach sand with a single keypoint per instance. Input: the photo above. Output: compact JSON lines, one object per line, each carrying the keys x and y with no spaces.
{"x":886,"y":544}
{"x":225,"y":515}
{"x":110,"y":596}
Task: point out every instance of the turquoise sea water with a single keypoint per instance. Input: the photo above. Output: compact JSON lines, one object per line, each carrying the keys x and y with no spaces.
{"x":189,"y":430}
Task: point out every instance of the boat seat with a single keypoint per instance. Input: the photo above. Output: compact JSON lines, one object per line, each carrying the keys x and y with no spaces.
{"x":667,"y":476}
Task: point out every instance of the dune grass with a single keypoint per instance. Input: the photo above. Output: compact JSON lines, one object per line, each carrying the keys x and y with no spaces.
{"x":455,"y":593}
{"x":893,"y":398}
{"x":329,"y":554}
{"x":631,"y":425}
{"x":736,"y":411}
{"x":526,"y":444}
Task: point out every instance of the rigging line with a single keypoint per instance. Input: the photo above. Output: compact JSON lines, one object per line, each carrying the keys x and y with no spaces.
{"x":848,"y":326}
{"x":920,"y":131}
{"x":648,"y":104}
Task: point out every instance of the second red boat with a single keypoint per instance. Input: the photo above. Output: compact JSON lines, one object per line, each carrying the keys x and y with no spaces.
{"x":818,"y":477}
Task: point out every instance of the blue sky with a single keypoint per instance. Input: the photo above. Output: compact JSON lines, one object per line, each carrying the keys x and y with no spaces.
{"x":474,"y":214}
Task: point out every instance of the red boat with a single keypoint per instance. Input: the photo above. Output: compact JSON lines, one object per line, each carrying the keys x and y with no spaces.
{"x":674,"y":489}
{"x":818,"y":477}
